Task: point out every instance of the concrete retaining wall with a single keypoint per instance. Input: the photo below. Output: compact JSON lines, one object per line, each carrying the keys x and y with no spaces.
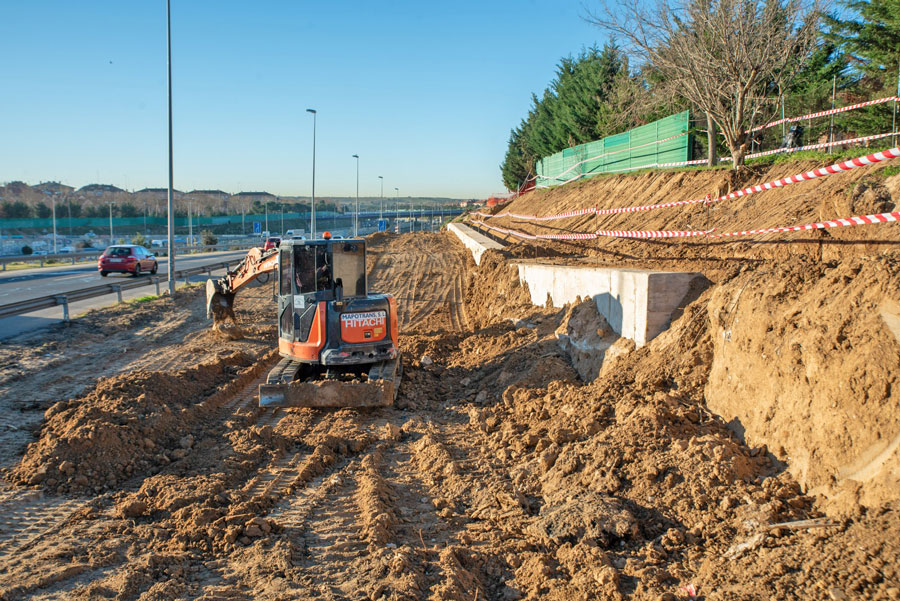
{"x":638,"y":304}
{"x":473,"y":240}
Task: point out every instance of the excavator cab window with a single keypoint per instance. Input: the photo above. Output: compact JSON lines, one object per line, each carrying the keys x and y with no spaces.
{"x":305,"y":269}
{"x":350,"y":267}
{"x":323,"y":267}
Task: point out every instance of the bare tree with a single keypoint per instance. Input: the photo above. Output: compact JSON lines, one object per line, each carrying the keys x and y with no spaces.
{"x":730,"y":58}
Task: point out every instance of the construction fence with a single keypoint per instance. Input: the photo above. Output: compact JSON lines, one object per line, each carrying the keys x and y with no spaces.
{"x":665,"y":142}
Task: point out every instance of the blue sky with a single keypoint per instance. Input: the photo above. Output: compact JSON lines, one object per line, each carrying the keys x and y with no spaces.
{"x":425,"y":92}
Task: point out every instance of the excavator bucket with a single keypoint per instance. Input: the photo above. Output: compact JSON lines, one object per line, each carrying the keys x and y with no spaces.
{"x":379,"y":389}
{"x":219,"y":304}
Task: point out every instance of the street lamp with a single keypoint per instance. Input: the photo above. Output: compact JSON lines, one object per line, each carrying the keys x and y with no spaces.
{"x":110,"y":224}
{"x":397,"y":209}
{"x":356,"y":218}
{"x":312,"y":217}
{"x":381,"y":210}
{"x":171,"y":196}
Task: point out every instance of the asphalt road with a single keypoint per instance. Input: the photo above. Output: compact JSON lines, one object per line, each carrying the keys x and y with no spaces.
{"x":31,"y":283}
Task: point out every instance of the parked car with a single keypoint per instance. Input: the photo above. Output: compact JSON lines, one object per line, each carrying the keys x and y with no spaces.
{"x":127,"y":258}
{"x":272,"y":242}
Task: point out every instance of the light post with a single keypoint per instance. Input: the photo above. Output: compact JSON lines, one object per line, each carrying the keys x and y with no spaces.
{"x":412,"y":226}
{"x":53,"y":199}
{"x":381,"y":210}
{"x":312,"y":215}
{"x":397,"y":209}
{"x":268,"y":233}
{"x":110,"y":224}
{"x":171,"y":206}
{"x":356,"y":217}
{"x":190,"y":223}
{"x":282,"y":219}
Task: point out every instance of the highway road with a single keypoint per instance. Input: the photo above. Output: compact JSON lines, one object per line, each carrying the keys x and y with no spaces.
{"x":31,"y":283}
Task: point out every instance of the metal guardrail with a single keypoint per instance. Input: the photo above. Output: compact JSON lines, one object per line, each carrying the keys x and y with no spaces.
{"x":53,"y":300}
{"x":4,"y":261}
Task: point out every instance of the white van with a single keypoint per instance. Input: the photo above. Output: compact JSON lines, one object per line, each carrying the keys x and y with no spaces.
{"x":298,"y":234}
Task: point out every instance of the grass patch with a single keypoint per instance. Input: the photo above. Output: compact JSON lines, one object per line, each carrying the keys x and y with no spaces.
{"x":143,"y":299}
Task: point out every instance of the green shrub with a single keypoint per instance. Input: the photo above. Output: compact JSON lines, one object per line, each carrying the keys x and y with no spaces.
{"x":208,"y":238}
{"x":27,"y":250}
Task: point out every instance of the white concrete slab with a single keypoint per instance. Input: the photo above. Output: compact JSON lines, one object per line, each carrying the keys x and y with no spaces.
{"x":637,"y":303}
{"x":475,"y":241}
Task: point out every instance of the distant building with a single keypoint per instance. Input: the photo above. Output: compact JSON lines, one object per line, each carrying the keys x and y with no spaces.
{"x":53,"y":188}
{"x":98,"y":189}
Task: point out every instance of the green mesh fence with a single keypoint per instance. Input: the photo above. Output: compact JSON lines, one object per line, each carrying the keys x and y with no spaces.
{"x":633,"y":149}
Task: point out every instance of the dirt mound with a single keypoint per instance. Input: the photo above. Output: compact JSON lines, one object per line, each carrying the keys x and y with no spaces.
{"x":127,"y":425}
{"x":804,"y":363}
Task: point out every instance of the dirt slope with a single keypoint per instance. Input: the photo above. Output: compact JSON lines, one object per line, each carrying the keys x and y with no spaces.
{"x":805,"y":358}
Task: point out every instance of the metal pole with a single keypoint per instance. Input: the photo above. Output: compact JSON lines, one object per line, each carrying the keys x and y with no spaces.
{"x":171,"y":196}
{"x":110,"y":224}
{"x":831,"y":127}
{"x":356,"y":217}
{"x":381,"y":210}
{"x":53,"y":199}
{"x":282,"y":219}
{"x":267,"y":218}
{"x":312,"y":215}
{"x":397,"y":212}
{"x":190,"y":223}
{"x":894,"y":118}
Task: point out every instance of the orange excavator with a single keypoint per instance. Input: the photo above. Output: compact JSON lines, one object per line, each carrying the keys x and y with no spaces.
{"x":338,"y":342}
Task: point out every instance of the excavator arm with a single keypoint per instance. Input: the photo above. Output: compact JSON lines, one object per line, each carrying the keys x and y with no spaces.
{"x":220,"y":293}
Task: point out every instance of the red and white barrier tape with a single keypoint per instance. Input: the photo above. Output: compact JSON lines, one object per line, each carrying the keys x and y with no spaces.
{"x":873,"y":219}
{"x":822,"y":172}
{"x":815,"y":146}
{"x":848,"y":222}
{"x":826,"y":112}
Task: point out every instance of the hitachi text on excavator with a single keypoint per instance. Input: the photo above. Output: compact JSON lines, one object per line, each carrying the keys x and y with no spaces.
{"x":338,"y":342}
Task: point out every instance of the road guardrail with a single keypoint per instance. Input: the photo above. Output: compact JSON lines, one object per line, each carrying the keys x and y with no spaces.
{"x":64,"y":298}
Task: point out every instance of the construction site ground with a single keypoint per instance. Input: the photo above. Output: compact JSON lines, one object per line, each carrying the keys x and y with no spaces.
{"x":745,"y":453}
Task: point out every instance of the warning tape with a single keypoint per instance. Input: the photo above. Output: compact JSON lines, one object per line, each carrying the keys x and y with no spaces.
{"x":873,"y":219}
{"x":816,"y":146}
{"x":848,"y":222}
{"x":826,"y":112}
{"x":861,"y":161}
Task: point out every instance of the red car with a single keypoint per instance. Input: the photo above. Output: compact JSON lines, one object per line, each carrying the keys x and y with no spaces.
{"x":272,"y":243}
{"x":127,"y":259}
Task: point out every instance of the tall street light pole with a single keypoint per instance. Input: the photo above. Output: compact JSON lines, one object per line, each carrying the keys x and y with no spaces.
{"x":171,"y":206}
{"x":356,"y":217}
{"x":312,"y":216}
{"x":381,"y":210}
{"x":397,"y":209}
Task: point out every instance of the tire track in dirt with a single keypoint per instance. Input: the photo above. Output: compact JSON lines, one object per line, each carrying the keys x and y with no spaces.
{"x":425,"y":272}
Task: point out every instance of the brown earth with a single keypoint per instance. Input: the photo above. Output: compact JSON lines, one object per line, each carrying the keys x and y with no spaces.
{"x":499,"y":474}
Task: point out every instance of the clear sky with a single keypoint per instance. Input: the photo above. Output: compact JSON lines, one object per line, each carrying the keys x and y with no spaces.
{"x":425,"y":92}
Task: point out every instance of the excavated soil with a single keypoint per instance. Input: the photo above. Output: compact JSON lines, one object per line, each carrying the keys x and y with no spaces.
{"x":510,"y":467}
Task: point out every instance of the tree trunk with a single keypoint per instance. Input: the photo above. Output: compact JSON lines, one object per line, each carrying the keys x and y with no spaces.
{"x":711,"y":140}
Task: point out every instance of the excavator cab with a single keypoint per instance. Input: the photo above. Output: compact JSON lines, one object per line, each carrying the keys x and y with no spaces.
{"x":338,"y":342}
{"x":325,"y":314}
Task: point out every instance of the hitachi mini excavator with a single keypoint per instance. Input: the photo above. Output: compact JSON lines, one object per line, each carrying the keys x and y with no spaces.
{"x":338,"y":342}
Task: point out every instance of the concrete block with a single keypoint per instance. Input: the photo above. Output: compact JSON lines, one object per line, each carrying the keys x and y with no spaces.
{"x":637,"y":303}
{"x":475,"y":241}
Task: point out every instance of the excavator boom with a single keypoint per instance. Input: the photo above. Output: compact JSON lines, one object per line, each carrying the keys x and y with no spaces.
{"x":220,"y":293}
